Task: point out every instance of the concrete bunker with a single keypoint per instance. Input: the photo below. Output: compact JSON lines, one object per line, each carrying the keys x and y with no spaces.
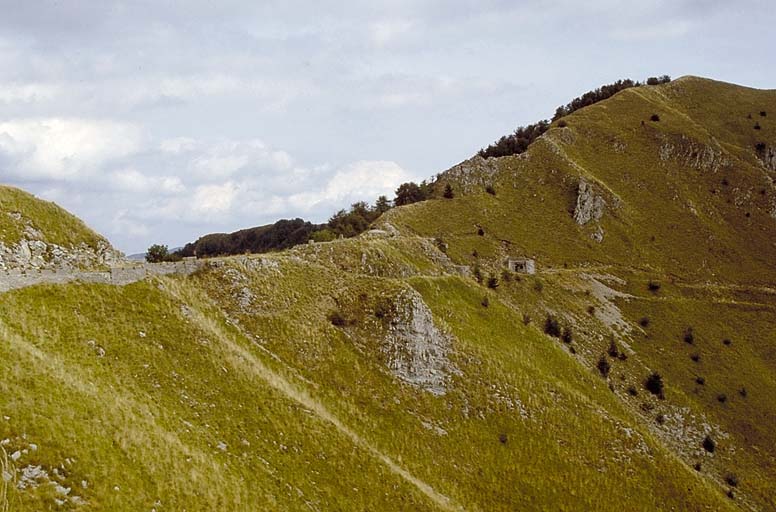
{"x":522,"y":265}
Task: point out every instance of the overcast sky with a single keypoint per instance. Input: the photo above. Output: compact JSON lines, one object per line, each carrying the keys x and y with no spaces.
{"x":162,"y":121}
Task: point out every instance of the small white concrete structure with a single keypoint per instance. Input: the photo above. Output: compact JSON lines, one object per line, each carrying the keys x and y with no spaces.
{"x":522,"y":265}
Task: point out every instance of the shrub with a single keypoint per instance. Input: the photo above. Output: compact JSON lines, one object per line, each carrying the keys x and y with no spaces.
{"x":567,"y":335}
{"x":653,"y":286}
{"x":654,"y":118}
{"x":763,"y":113}
{"x":731,"y":479}
{"x":493,"y":282}
{"x":337,"y":319}
{"x":661,"y":419}
{"x":603,"y":366}
{"x":722,"y":397}
{"x":157,"y":253}
{"x":613,"y":351}
{"x":383,"y":308}
{"x":490,"y":190}
{"x":475,"y":254}
{"x":700,"y":381}
{"x":760,"y":147}
{"x":526,"y":319}
{"x":591,"y":310}
{"x":448,"y":193}
{"x":697,"y":466}
{"x":538,"y":286}
{"x":632,"y":391}
{"x":644,"y":322}
{"x":742,"y":392}
{"x":502,"y":438}
{"x":727,"y":342}
{"x":477,"y":274}
{"x":689,"y":337}
{"x":654,"y":384}
{"x":485,"y":302}
{"x":506,"y":276}
{"x":562,"y":123}
{"x":696,"y":357}
{"x":552,"y":327}
{"x":756,"y":126}
{"x":709,"y":445}
{"x":731,"y":494}
{"x":480,"y":231}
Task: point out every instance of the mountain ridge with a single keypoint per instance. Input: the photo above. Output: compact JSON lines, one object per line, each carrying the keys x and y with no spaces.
{"x":625,"y":371}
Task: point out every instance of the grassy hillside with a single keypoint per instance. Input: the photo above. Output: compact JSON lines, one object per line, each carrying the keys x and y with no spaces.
{"x":22,"y":215}
{"x":377,"y":373}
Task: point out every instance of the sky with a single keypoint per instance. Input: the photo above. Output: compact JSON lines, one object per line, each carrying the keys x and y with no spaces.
{"x":161,"y":121}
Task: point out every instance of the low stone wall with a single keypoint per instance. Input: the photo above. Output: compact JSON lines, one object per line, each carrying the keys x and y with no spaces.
{"x":118,"y":275}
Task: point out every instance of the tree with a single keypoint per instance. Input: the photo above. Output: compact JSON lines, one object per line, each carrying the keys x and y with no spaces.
{"x":157,"y":253}
{"x":448,"y":194}
{"x":382,"y":205}
{"x":411,"y":192}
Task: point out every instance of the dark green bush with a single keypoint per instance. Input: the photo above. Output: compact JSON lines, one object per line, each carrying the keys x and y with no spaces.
{"x":603,"y":366}
{"x":709,"y":445}
{"x":552,"y":327}
{"x":654,"y":384}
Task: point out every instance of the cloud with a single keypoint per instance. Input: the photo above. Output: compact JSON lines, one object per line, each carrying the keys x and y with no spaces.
{"x":385,"y":32}
{"x":656,"y":32}
{"x":58,"y":148}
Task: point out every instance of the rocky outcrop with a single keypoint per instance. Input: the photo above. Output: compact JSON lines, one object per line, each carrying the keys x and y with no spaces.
{"x":768,"y":158}
{"x":417,"y":351}
{"x":39,"y":255}
{"x":590,"y":206}
{"x":33,"y":252}
{"x":472,"y":175}
{"x":704,"y":157}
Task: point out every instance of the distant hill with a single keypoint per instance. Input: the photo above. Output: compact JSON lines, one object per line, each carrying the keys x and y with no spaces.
{"x":282,"y":234}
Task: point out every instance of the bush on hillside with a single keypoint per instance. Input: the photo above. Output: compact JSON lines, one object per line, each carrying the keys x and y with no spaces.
{"x":654,"y":384}
{"x":603,"y":366}
{"x":552,"y":327}
{"x":448,"y":194}
{"x":654,"y":118}
{"x":493,"y":282}
{"x":689,"y":336}
{"x":490,"y":190}
{"x":709,"y":444}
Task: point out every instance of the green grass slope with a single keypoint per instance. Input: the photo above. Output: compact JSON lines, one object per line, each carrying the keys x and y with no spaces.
{"x":300,"y":380}
{"x":21,"y":212}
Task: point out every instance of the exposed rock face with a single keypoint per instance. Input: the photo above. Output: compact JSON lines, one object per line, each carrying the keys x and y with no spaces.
{"x":590,"y":206}
{"x":769,"y":159}
{"x":473,"y":174}
{"x":33,"y":252}
{"x":706,"y":157}
{"x":37,"y":255}
{"x":417,"y":350}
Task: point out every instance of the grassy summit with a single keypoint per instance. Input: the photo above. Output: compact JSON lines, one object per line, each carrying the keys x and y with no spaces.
{"x":377,"y":373}
{"x":22,"y":215}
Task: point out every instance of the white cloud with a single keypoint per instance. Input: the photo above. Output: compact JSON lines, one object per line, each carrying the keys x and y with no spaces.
{"x":27,"y":92}
{"x":654,"y":32}
{"x":385,"y":32}
{"x":214,"y":199}
{"x":57,"y":148}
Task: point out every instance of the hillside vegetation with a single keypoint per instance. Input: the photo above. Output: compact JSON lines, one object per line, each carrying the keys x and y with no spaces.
{"x":22,"y":215}
{"x":407,"y":369}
